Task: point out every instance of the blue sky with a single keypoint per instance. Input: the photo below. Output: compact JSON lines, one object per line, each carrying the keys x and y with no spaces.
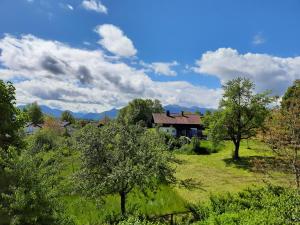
{"x":177,"y":51}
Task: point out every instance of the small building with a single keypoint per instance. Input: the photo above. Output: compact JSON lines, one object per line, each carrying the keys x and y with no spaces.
{"x":178,"y":124}
{"x":31,"y":128}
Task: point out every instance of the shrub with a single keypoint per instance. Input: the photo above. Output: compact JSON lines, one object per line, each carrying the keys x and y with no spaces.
{"x":44,"y":140}
{"x":267,"y":205}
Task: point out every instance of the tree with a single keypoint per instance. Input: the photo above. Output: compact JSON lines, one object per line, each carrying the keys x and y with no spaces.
{"x":283,"y":130}
{"x":11,"y":119}
{"x":119,"y":158}
{"x":67,"y":116}
{"x":27,"y":196}
{"x":140,"y":111}
{"x":35,"y":113}
{"x":240,"y":114}
{"x":290,"y":96}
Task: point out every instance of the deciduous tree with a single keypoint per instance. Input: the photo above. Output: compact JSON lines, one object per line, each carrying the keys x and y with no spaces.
{"x":241,"y":112}
{"x":11,"y":118}
{"x":283,"y":130}
{"x":140,"y":111}
{"x":67,"y":116}
{"x":119,"y":158}
{"x":35,"y":113}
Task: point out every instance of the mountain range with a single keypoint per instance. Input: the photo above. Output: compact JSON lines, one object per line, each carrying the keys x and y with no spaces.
{"x":114,"y":112}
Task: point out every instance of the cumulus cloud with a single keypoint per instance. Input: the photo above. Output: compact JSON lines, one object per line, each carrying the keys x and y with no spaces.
{"x":60,"y":76}
{"x":161,"y":68}
{"x":94,"y":5}
{"x":115,"y":41}
{"x":267,"y":71}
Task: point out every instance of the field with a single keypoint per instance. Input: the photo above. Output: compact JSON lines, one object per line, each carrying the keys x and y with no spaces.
{"x":214,"y":173}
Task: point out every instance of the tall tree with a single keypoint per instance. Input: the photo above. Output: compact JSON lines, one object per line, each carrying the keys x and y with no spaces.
{"x":283,"y":130}
{"x":67,"y":116}
{"x":140,"y":111}
{"x":11,"y":118}
{"x":118,"y":158}
{"x":35,"y":113}
{"x":240,"y":113}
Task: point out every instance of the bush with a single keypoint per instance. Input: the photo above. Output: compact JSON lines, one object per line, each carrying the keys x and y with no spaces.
{"x":44,"y":140}
{"x":267,"y":205}
{"x":137,"y":221}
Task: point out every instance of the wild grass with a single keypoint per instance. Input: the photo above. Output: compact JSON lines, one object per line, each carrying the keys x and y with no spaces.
{"x":216,"y":173}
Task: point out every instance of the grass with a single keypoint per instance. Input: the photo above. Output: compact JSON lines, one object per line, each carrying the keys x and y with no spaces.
{"x":216,"y":173}
{"x":87,"y":211}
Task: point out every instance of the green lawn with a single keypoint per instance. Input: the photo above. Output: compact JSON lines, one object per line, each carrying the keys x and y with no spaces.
{"x":216,"y":173}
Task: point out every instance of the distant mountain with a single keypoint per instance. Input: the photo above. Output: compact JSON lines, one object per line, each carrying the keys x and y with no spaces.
{"x":114,"y":112}
{"x":87,"y":116}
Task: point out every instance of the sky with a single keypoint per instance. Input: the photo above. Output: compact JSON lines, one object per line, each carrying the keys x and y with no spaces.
{"x":92,"y":56}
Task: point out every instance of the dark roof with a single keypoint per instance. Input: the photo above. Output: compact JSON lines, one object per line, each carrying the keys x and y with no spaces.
{"x":64,"y":123}
{"x":163,"y":118}
{"x":31,"y":124}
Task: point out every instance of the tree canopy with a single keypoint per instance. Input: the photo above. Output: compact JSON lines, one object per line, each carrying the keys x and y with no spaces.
{"x":140,"y":111}
{"x":11,"y":119}
{"x":35,"y":113}
{"x":119,"y":158}
{"x":283,"y":130}
{"x":67,"y":116}
{"x":240,"y":113}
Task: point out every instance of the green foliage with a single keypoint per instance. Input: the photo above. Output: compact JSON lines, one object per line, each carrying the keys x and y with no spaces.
{"x":195,"y":147}
{"x":241,"y":113}
{"x":34,"y":113}
{"x":139,"y":111}
{"x":292,"y":93}
{"x":282,"y":130}
{"x":67,"y":116}
{"x":11,"y":119}
{"x":267,"y":205}
{"x":118,"y":158}
{"x":173,"y":143}
{"x":44,"y":140}
{"x":137,"y":221}
{"x":27,"y":197}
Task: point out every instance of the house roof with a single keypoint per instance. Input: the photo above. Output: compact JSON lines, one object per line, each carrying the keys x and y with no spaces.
{"x":185,"y":119}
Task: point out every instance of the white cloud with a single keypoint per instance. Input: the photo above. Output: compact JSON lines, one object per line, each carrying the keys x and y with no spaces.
{"x":57,"y":75}
{"x":162,"y":68}
{"x":258,"y":39}
{"x":94,"y":5}
{"x":115,"y":41}
{"x":267,"y":71}
{"x":70,"y":7}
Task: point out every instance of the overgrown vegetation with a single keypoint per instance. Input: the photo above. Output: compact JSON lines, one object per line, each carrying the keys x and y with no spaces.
{"x":267,"y":205}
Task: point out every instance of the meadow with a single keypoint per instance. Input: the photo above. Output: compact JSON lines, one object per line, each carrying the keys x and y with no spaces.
{"x":213,"y":173}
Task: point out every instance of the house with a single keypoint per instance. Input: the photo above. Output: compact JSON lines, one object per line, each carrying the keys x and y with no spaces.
{"x":178,"y":124}
{"x":31,"y":128}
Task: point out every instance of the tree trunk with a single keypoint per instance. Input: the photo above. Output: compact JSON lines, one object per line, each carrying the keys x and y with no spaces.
{"x":123,"y":203}
{"x":236,"y":150}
